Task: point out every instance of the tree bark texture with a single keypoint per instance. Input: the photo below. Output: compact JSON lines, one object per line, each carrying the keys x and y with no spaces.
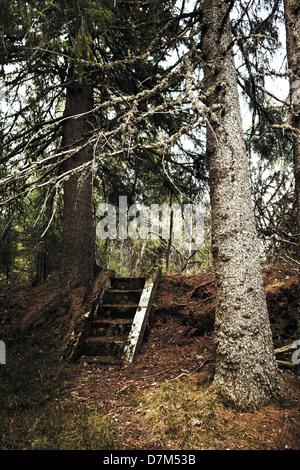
{"x":292,"y":25}
{"x":78,"y":227}
{"x":246,"y":371}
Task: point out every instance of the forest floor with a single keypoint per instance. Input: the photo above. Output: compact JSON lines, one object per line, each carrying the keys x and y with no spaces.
{"x":164,"y":401}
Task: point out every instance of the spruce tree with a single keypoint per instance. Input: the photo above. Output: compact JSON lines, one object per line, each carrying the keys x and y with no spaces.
{"x":246,"y":371}
{"x":292,"y":25}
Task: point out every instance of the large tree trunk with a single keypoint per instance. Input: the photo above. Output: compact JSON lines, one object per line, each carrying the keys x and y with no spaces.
{"x":78,"y":227}
{"x":246,"y":370}
{"x":292,"y":25}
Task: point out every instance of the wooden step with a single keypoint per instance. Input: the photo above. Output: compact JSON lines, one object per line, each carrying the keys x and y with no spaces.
{"x":116,"y":311}
{"x":104,"y":346}
{"x":110,"y":327}
{"x":101,"y":360}
{"x":128,"y":283}
{"x":122,"y":296}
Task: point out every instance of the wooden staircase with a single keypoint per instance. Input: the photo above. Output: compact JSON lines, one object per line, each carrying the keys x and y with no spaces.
{"x":111,"y":325}
{"x":117,"y":323}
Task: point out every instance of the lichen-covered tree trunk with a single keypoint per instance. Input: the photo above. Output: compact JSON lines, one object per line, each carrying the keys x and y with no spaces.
{"x":246,"y":371}
{"x":292,"y":25}
{"x":78,"y":227}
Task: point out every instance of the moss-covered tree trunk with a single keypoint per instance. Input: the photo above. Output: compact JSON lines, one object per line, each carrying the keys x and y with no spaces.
{"x":78,"y":228}
{"x":246,"y":371}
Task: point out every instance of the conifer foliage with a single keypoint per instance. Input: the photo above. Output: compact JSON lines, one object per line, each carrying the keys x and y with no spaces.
{"x":140,"y":98}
